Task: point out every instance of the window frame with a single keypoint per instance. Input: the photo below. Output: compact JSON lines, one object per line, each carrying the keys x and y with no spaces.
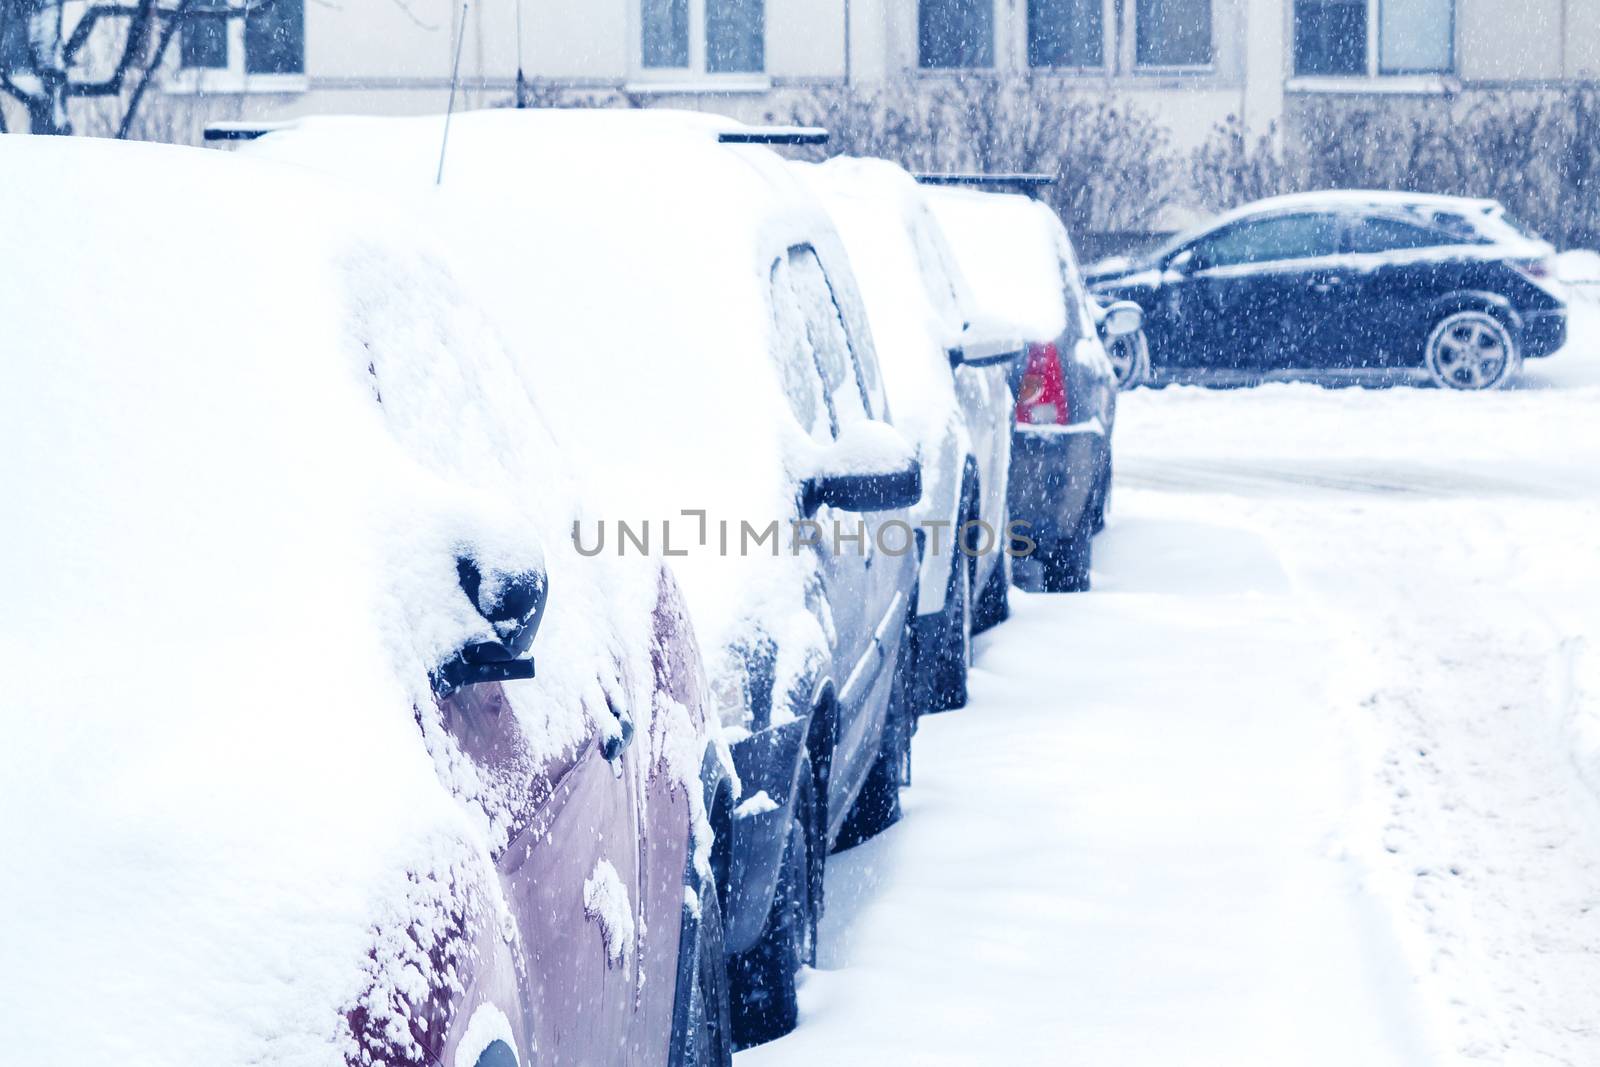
{"x":1334,"y":220}
{"x":15,"y":44}
{"x":697,"y":71}
{"x":1373,"y":48}
{"x":1353,"y":221}
{"x":1375,"y":10}
{"x":235,"y":77}
{"x":781,"y":295}
{"x":997,"y":25}
{"x":1110,"y":36}
{"x":246,"y":23}
{"x":852,"y":355}
{"x":214,"y":22}
{"x":1130,"y":45}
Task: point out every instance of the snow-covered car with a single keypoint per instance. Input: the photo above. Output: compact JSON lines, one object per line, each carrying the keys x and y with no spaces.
{"x":280,"y":783}
{"x":945,"y":368}
{"x":1370,"y":285}
{"x":690,"y":323}
{"x":1022,"y":268}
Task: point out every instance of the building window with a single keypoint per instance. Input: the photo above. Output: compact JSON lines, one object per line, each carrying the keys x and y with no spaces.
{"x":16,"y":55}
{"x":1330,"y":37}
{"x":736,"y":36}
{"x":712,"y":36}
{"x":955,"y":33}
{"x":275,"y":38}
{"x":203,"y":42}
{"x":1416,"y":36}
{"x":1346,"y":37}
{"x":1066,"y":33}
{"x":1173,"y":33}
{"x":273,"y":35}
{"x":666,"y":33}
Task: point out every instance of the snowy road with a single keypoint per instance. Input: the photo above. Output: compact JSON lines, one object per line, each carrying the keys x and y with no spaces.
{"x":1311,"y":778}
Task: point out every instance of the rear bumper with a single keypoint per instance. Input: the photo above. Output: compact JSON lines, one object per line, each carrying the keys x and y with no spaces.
{"x":1053,"y":473}
{"x":1543,"y":332}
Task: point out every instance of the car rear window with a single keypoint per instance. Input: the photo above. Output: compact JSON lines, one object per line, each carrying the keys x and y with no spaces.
{"x":1502,"y":219}
{"x":1377,"y":234}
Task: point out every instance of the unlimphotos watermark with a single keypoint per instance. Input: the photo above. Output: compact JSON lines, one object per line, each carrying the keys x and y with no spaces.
{"x":892,"y":537}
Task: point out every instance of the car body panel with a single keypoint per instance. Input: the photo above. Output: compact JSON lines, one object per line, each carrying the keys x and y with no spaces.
{"x":987,"y":405}
{"x":581,"y":1000}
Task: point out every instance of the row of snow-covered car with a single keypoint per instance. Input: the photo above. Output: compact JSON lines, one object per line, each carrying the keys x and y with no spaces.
{"x":312,"y":457}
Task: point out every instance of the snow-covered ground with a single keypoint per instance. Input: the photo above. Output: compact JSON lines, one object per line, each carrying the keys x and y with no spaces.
{"x":1313,"y":776}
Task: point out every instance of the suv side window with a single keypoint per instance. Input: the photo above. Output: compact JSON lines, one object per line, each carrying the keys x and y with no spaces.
{"x":1269,"y":240}
{"x":1376,"y":234}
{"x":797,"y":367}
{"x":828,"y":338}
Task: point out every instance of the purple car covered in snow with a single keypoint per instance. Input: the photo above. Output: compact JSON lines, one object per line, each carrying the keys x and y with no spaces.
{"x":281,"y":783}
{"x":692,"y":325}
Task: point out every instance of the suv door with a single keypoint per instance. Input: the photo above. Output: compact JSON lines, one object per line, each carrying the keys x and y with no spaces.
{"x":1257,"y":294}
{"x":862,"y":590}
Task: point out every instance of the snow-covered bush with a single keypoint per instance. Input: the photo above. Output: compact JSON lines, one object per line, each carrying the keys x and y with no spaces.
{"x":1112,"y":159}
{"x":1235,"y":167}
{"x":1537,"y":153}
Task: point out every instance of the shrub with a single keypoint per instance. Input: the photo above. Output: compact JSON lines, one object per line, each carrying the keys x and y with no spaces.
{"x":1112,"y":161}
{"x":1539,"y":154}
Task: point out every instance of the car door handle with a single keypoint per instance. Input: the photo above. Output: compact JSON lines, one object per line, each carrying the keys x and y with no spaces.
{"x":1327,"y":284}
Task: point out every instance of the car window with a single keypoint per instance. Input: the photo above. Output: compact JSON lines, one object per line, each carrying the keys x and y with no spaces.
{"x":797,"y":367}
{"x":1455,"y":224}
{"x":1269,"y":240}
{"x":938,"y":270}
{"x":829,"y":340}
{"x":1373,"y":234}
{"x":1516,"y":225}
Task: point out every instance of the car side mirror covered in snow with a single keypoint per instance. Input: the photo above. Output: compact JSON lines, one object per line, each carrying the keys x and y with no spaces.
{"x":1122,"y":318}
{"x":513,"y":605}
{"x":1184,"y":261}
{"x":984,"y":346}
{"x":871,"y":467}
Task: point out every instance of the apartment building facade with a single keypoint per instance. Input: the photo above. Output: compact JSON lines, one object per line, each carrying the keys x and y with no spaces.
{"x":1195,"y":61}
{"x":1192,"y":62}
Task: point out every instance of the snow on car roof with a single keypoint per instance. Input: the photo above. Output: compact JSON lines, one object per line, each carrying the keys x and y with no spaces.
{"x":1350,"y":198}
{"x":629,"y":260}
{"x":1012,"y":251}
{"x":1484,"y":218}
{"x":229,"y":564}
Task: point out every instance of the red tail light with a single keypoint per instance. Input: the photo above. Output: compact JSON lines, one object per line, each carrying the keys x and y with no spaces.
{"x":1542,"y":269}
{"x":1042,"y":398}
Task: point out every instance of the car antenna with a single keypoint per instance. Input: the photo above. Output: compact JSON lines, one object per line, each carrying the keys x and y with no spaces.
{"x":455,"y":77}
{"x":522,"y":82}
